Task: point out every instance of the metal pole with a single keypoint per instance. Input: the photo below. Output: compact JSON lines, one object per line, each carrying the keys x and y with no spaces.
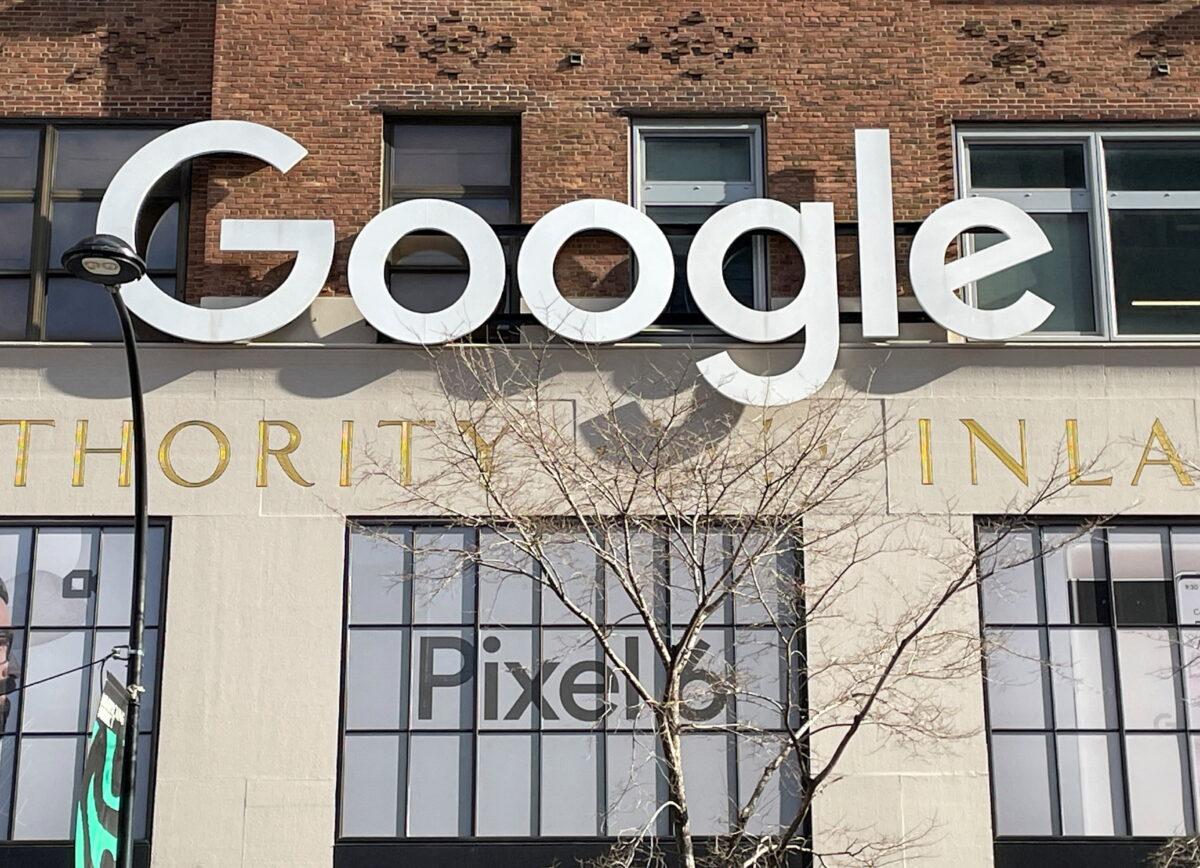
{"x":137,"y":613}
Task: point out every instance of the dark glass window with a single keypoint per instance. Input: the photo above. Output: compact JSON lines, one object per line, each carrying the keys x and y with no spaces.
{"x":473,"y":162}
{"x":1093,"y":691}
{"x":1050,"y":182}
{"x":52,"y":178}
{"x":65,"y":596}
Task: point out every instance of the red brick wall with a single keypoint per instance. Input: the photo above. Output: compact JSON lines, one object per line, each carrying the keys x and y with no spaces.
{"x":89,"y":58}
{"x":328,"y":72}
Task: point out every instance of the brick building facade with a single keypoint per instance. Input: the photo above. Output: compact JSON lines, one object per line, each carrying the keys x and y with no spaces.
{"x":271,"y":741}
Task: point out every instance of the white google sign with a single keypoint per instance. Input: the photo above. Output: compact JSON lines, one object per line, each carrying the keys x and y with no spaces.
{"x":810,"y":228}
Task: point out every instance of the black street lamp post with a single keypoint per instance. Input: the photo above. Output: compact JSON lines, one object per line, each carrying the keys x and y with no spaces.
{"x":111,"y":262}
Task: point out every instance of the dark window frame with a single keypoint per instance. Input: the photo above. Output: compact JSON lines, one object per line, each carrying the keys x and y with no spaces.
{"x":511,"y":233}
{"x":496,"y":851}
{"x":43,"y":197}
{"x":58,"y":853}
{"x":1085,"y":851}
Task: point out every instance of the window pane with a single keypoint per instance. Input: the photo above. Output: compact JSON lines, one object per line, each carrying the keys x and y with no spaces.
{"x":1158,"y":802}
{"x":376,"y":665}
{"x":12,"y":655}
{"x":105,"y":642}
{"x":1027,"y":166}
{"x":1022,"y":783}
{"x":1089,"y":784}
{"x":1008,"y":577}
{"x":696,"y":566}
{"x":698,"y":158}
{"x":14,"y":308}
{"x":1076,"y":578}
{"x":706,"y":687}
{"x":88,"y":157}
{"x":8,"y":750}
{"x":1016,"y":679}
{"x":441,"y":693}
{"x":79,"y":311}
{"x":572,"y":569}
{"x":764,"y":570}
{"x":141,"y":798}
{"x":571,"y":784}
{"x":57,"y":705}
{"x":47,"y":783}
{"x":427,"y":291}
{"x":1152,"y":165}
{"x":1082,"y":680}
{"x":1150,"y":691}
{"x":439,"y":786}
{"x":1156,"y":256}
{"x":497,"y":211}
{"x":16,"y":545}
{"x":70,"y":222}
{"x":634,"y":648}
{"x":114,"y":589}
{"x":19,"y":158}
{"x":508,"y":680}
{"x":507,"y":589}
{"x":16,"y":218}
{"x":451,"y":155}
{"x":379,"y":593}
{"x":760,"y":678}
{"x":62,"y":583}
{"x":1143,"y":592}
{"x":164,"y":238}
{"x":428,"y":250}
{"x":638,"y":576}
{"x":443,"y":577}
{"x":1063,"y":276}
{"x":635,"y":786}
{"x":505,"y":799}
{"x":372,"y":786}
{"x":706,"y":775}
{"x":1185,"y":549}
{"x":1189,"y":648}
{"x":573,"y":679}
{"x":780,"y":799}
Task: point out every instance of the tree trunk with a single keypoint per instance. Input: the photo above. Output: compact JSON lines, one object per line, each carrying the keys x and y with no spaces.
{"x":681,"y":823}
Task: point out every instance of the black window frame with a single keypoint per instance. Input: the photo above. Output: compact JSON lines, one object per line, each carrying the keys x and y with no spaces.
{"x":498,"y":851}
{"x":40,"y":270}
{"x":1084,"y":851}
{"x":511,"y":233}
{"x":32,"y":853}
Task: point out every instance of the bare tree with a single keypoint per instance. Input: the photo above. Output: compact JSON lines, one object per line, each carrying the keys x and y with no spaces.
{"x":665,"y":521}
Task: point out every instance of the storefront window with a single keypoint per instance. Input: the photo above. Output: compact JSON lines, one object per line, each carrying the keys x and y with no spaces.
{"x":1122,"y":212}
{"x":65,"y":595}
{"x":685,"y":172}
{"x":52,"y":178}
{"x":477,"y":706}
{"x":1092,"y":686}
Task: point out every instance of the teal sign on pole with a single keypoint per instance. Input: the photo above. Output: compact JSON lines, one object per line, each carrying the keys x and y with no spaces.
{"x":99,"y":805}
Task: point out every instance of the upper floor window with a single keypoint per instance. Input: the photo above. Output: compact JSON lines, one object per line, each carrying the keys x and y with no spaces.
{"x":471,"y":161}
{"x":1121,"y":209}
{"x":1093,"y":691}
{"x":687,"y":170}
{"x":65,"y":595}
{"x":52,"y":178}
